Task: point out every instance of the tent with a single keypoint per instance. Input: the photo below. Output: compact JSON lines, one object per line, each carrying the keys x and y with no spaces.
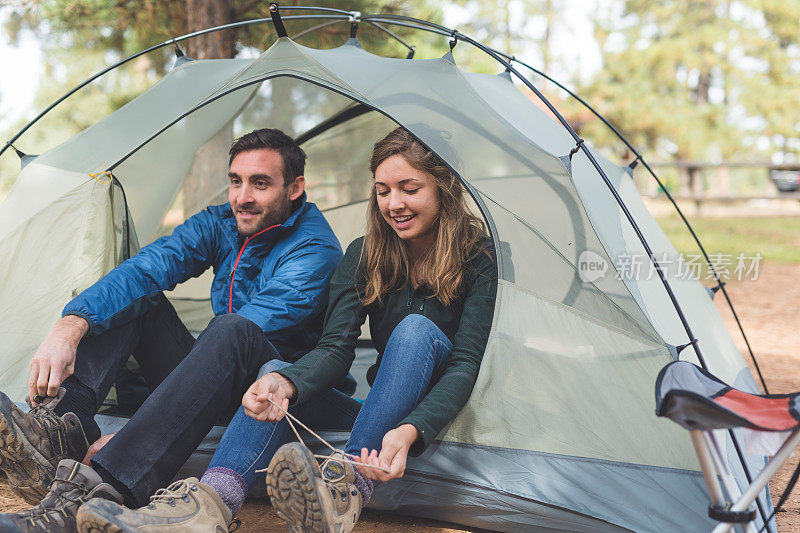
{"x":560,"y":431}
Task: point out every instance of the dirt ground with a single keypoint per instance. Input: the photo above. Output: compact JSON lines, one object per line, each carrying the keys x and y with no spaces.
{"x":767,"y":308}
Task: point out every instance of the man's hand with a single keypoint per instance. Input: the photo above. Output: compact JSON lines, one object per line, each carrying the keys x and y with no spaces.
{"x":393,"y":455}
{"x":54,"y":360}
{"x":95,"y":447}
{"x":273,"y":387}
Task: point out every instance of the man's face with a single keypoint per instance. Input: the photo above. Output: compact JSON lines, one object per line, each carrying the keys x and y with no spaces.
{"x":257,"y":194}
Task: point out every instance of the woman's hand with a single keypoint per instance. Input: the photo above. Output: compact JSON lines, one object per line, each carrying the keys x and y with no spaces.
{"x":393,"y":454}
{"x":273,"y":387}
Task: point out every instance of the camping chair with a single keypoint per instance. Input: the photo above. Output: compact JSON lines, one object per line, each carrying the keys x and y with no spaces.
{"x":701,"y":403}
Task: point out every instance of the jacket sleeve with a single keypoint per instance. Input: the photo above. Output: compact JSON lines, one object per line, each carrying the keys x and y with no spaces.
{"x":326,"y":365}
{"x":449,"y":394}
{"x":296,"y":290}
{"x":135,"y":285}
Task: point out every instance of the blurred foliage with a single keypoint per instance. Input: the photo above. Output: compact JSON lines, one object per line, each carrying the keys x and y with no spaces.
{"x":513,"y":27}
{"x":80,"y":37}
{"x":703,"y":80}
{"x":706,"y":80}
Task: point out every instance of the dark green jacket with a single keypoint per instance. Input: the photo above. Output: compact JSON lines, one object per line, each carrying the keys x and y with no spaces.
{"x":466,"y":322}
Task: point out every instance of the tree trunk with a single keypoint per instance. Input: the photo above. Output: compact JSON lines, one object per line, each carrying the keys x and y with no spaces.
{"x":703,"y":86}
{"x":207,"y":175}
{"x":202,"y":14}
{"x":550,"y":16}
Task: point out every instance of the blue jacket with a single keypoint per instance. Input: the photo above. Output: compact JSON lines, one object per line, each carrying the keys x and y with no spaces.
{"x":280,"y":283}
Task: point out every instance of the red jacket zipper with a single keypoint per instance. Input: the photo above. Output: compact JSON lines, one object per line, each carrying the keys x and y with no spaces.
{"x":236,"y":263}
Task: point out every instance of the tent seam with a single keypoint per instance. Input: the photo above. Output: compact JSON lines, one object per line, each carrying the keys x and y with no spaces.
{"x":590,"y":318}
{"x":657,"y":339}
{"x":594,"y":229}
{"x":636,"y":466}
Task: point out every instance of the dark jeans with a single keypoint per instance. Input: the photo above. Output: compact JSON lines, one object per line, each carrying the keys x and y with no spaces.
{"x":194,"y":384}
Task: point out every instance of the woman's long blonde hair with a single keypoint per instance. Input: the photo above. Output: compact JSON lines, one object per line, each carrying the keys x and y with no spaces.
{"x":458,"y":232}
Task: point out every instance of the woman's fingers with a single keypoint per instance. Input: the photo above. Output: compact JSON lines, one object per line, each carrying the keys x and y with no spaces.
{"x":252,"y":406}
{"x":370,"y":459}
{"x":266,"y":400}
{"x":285,"y":406}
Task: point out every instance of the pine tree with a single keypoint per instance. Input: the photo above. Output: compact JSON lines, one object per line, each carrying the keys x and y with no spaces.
{"x":706,"y":80}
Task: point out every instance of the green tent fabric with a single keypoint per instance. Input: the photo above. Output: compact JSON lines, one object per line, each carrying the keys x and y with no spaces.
{"x":559,"y":432}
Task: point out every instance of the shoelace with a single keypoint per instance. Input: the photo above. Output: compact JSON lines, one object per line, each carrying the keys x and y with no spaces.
{"x":177,"y":490}
{"x":40,"y":514}
{"x":180,"y":489}
{"x":52,"y":424}
{"x":291,"y":419}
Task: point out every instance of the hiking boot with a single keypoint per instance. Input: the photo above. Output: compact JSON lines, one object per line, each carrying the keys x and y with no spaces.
{"x":185,"y":506}
{"x":313,"y":498}
{"x":74,"y":484}
{"x":32,"y":444}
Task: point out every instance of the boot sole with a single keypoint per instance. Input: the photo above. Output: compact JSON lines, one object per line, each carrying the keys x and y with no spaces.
{"x":91,"y":519}
{"x":292,"y":488}
{"x":90,"y":526}
{"x":29,"y":473}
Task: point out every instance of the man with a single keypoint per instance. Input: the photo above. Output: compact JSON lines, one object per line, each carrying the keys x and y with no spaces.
{"x":272,"y":253}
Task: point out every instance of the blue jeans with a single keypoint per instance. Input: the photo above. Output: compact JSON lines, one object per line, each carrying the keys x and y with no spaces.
{"x":415,"y":356}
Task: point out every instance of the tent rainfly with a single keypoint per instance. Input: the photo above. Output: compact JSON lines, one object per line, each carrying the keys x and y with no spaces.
{"x":560,"y":432}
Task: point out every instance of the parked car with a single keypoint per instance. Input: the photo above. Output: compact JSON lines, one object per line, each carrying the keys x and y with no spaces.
{"x":785,"y":180}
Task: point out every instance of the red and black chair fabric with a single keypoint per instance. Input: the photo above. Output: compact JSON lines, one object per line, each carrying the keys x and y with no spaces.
{"x":697,"y":400}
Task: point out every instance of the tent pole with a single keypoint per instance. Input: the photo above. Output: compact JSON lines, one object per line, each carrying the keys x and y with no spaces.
{"x":582,"y":146}
{"x":169,"y":42}
{"x":641,"y":159}
{"x":636,"y":229}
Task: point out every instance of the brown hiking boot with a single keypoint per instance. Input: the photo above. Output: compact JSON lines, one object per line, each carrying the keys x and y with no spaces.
{"x":311,"y":499}
{"x":185,"y":506}
{"x":74,"y":484}
{"x":32,"y":444}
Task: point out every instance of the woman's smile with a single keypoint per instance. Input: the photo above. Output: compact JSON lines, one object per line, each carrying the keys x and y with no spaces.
{"x":408,"y":200}
{"x":402,"y":222}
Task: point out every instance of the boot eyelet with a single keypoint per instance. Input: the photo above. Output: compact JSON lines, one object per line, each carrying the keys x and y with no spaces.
{"x":172,"y":503}
{"x":186,"y":499}
{"x":194,"y":488}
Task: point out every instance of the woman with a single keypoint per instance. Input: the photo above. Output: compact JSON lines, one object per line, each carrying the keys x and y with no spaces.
{"x":424,"y":274}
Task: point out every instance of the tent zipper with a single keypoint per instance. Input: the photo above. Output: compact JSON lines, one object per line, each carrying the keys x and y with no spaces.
{"x":236,"y":263}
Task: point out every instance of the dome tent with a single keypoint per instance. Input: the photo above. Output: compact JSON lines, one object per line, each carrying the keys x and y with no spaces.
{"x":559,"y":432}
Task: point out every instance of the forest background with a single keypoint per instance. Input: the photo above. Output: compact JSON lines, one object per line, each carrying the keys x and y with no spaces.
{"x":708,"y":80}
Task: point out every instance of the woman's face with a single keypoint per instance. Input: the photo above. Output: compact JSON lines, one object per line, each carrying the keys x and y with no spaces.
{"x":408,"y":200}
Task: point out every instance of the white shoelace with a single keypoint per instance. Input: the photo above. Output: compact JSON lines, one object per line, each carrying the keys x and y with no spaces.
{"x":291,"y":419}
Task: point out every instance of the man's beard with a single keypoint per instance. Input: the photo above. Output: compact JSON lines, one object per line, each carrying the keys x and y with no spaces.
{"x":266,"y":220}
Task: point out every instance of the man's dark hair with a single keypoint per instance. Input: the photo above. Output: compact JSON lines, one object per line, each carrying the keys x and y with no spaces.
{"x":294,"y":158}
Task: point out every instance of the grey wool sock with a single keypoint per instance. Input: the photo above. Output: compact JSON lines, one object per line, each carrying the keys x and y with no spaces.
{"x":364,"y":486}
{"x":230,"y":486}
